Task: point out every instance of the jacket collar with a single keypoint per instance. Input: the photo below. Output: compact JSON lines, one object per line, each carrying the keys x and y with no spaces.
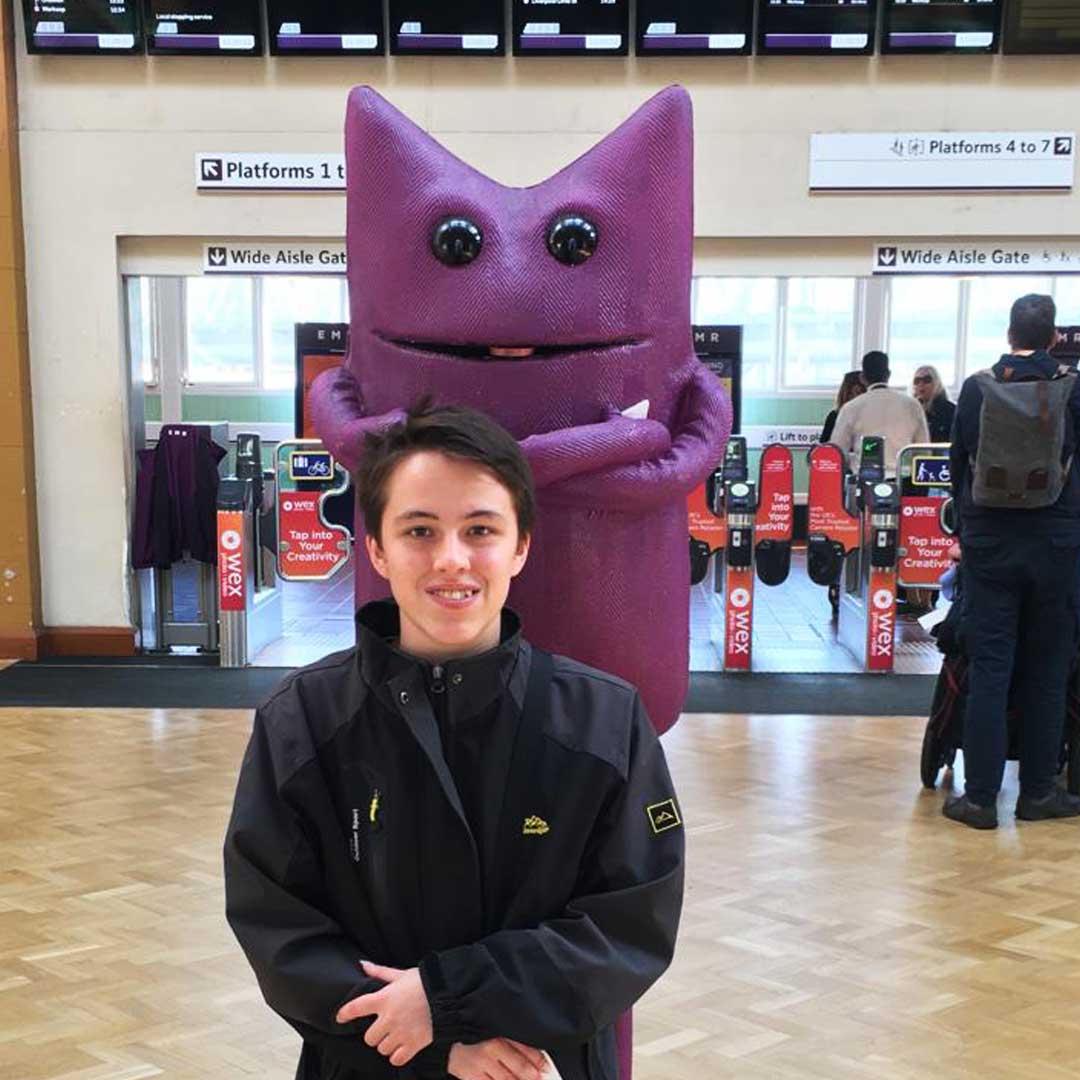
{"x":1039,"y":365}
{"x":473,"y":681}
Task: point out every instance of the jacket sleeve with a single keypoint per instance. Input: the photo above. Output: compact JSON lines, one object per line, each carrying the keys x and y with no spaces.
{"x":827,"y":430}
{"x":960,"y":446}
{"x":576,"y":972}
{"x":305,"y":964}
{"x":921,"y":432}
{"x":841,"y":434}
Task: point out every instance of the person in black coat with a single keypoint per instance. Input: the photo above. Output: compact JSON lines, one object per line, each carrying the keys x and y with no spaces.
{"x":929,"y":391}
{"x":451,"y":852}
{"x":851,"y":386}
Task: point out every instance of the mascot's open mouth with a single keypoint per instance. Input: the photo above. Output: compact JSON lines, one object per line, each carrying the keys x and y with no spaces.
{"x":505,"y":352}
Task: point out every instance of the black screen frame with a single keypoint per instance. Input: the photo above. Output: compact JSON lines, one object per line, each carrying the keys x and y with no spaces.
{"x":258,"y":50}
{"x":628,"y":31}
{"x":760,"y":49}
{"x":395,"y":50}
{"x":1010,"y":28}
{"x":939,"y":50}
{"x":640,"y":23}
{"x":138,"y":49}
{"x":274,"y":50}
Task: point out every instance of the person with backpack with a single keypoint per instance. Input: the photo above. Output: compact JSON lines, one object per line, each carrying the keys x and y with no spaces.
{"x":452,"y":853}
{"x":1017,"y":494}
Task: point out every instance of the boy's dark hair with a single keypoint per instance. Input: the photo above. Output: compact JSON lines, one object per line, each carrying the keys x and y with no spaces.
{"x":1033,"y":322}
{"x":457,"y":432}
{"x":875,"y":367}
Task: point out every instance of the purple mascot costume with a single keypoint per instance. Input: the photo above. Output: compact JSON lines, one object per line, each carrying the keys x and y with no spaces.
{"x":562,"y":310}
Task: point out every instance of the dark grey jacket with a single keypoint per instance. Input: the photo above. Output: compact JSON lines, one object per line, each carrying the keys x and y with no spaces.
{"x":530,"y":862}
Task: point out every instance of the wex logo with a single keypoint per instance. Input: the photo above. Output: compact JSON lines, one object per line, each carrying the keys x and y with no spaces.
{"x":232,"y":565}
{"x":739,"y":632}
{"x":920,"y":511}
{"x":881,"y":622}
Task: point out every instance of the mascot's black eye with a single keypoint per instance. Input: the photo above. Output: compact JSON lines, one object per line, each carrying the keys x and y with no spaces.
{"x":572,"y":239}
{"x":456,"y":241}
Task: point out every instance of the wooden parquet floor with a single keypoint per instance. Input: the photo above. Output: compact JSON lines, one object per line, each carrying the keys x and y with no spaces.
{"x":836,"y":926}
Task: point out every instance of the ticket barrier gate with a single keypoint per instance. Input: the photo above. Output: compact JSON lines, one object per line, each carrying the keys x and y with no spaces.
{"x":250,"y":600}
{"x":309,"y":548}
{"x":852,"y":544}
{"x":749,"y":528}
{"x":922,"y":471}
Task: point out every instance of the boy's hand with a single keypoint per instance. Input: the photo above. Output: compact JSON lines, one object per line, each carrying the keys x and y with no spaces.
{"x":402,"y":1026}
{"x":496,"y":1059}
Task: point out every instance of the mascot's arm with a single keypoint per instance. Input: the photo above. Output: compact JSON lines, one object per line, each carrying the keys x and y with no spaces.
{"x":338,"y":413}
{"x":618,"y":441}
{"x":702,"y":427}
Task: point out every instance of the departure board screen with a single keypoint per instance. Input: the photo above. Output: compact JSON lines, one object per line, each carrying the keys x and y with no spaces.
{"x":693,"y":27}
{"x":461,"y":28}
{"x":202,"y":27}
{"x":83,"y":26}
{"x":824,"y":27}
{"x":571,"y":27}
{"x":324,"y":27}
{"x":941,"y":26}
{"x":1042,"y":26}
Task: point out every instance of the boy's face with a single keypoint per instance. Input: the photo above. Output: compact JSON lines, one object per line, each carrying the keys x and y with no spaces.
{"x":449,"y":547}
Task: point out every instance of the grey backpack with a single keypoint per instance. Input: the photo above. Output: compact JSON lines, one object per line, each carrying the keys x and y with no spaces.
{"x":1021,"y":436}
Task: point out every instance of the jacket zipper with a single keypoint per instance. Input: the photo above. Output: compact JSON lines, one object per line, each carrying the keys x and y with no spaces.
{"x":438,"y":683}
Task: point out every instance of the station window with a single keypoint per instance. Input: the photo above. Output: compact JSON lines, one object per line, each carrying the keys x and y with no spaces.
{"x":219,"y":318}
{"x":989,"y":301}
{"x":239,"y":331}
{"x":748,"y":302}
{"x":285,"y":301}
{"x":1067,"y":295}
{"x":819,"y":332}
{"x":924,"y":327}
{"x":141,"y":326}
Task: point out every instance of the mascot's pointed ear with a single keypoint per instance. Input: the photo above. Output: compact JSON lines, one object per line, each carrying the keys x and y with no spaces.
{"x":651,"y":153}
{"x":387,"y":153}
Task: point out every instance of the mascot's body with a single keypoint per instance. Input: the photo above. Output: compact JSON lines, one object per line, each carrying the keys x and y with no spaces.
{"x":607,"y":580}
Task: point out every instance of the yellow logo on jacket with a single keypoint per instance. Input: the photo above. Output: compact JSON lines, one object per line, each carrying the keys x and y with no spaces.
{"x":663,"y":816}
{"x":535,"y":826}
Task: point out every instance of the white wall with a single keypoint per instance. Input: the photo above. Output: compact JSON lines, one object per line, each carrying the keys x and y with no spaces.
{"x":108,"y":148}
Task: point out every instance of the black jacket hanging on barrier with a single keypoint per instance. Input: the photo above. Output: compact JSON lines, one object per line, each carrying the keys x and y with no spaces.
{"x":176,"y":498}
{"x":506,"y":822}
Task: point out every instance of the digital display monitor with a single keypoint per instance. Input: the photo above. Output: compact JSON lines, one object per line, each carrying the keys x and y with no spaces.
{"x":435,"y":27}
{"x":915,"y":26}
{"x":821,"y":27}
{"x":83,"y":26}
{"x":324,"y":27}
{"x":694,"y":27}
{"x":571,"y":27}
{"x":1042,"y":26}
{"x":203,"y":27}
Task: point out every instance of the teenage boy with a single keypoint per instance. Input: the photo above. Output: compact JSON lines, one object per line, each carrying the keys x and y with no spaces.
{"x":449,"y":851}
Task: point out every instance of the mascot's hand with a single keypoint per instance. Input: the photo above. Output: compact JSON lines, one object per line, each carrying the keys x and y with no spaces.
{"x":616,"y":441}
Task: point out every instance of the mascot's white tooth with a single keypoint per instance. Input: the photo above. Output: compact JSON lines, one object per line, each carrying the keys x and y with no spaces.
{"x":640,"y":411}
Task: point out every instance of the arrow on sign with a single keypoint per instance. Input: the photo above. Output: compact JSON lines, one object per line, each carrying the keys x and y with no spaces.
{"x":1063,"y":146}
{"x":211,"y":169}
{"x":217,"y":256}
{"x":886,"y":256}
